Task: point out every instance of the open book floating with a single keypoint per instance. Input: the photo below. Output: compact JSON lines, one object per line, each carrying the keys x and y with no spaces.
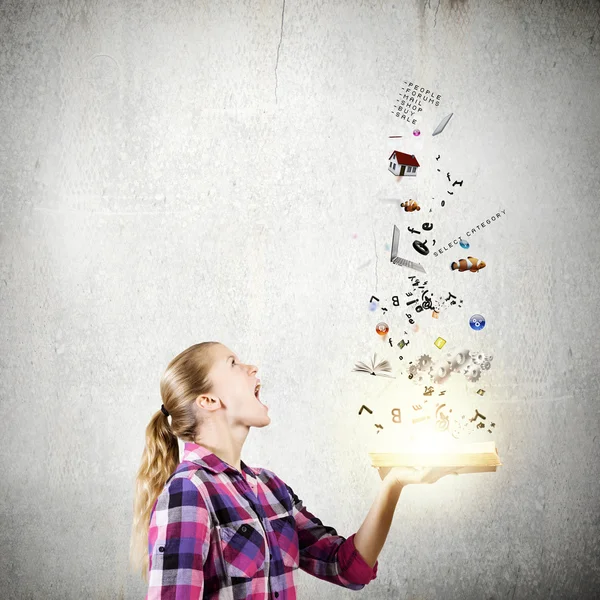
{"x":473,"y":458}
{"x":381,"y":368}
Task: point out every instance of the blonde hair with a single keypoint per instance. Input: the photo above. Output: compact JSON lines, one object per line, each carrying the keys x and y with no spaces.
{"x":185,"y":378}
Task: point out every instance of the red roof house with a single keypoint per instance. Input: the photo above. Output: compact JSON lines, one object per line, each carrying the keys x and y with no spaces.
{"x":403,"y":164}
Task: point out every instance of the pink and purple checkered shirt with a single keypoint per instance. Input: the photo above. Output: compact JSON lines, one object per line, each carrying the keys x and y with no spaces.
{"x":218,"y":533}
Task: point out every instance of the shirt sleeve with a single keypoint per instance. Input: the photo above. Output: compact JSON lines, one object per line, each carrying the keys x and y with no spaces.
{"x":327,"y":555}
{"x":178,"y":543}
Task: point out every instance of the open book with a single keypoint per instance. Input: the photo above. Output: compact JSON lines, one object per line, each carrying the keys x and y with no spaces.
{"x":478,"y":457}
{"x":381,"y":368}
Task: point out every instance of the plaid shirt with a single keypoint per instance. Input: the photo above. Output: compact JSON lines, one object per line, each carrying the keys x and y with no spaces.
{"x":218,"y":533}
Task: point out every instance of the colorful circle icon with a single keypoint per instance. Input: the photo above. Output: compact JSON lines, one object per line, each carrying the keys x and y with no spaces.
{"x":477,"y":322}
{"x":382,"y":328}
{"x":463,"y":244}
{"x":416,"y":133}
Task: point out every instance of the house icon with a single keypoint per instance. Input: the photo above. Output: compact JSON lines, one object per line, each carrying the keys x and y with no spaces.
{"x":403,"y":164}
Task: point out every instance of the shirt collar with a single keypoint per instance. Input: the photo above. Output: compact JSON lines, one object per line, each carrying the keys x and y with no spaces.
{"x":206,"y":459}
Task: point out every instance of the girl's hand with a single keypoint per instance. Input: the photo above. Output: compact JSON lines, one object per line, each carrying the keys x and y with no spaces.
{"x":407,"y":475}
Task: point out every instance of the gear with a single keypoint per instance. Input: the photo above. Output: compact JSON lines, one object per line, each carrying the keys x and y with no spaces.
{"x":424,"y":362}
{"x":412,"y":369}
{"x":485,"y":365}
{"x":472,"y":373}
{"x":459,"y":360}
{"x":441,"y":372}
{"x":468,"y":368}
{"x":478,"y":357}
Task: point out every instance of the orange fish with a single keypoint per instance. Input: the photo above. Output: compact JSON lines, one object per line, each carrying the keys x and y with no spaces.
{"x":410,"y":206}
{"x":469,"y":264}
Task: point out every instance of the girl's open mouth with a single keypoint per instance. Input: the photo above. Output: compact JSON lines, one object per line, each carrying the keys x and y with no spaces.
{"x":257,"y":394}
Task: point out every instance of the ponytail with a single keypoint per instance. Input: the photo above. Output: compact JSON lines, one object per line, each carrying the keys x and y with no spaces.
{"x":185,"y":378}
{"x":159,"y":460}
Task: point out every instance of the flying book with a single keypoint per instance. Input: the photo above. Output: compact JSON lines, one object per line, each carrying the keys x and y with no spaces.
{"x":381,"y":368}
{"x":477,"y":457}
{"x":398,"y":260}
{"x":442,"y":124}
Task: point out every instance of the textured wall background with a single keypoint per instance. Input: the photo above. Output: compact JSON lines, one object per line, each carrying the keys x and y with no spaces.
{"x":174,"y":172}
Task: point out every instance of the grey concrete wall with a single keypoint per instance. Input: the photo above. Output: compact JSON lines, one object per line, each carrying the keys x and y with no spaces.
{"x":174,"y":172}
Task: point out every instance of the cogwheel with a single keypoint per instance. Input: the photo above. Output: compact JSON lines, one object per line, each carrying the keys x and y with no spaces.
{"x":485,"y":365}
{"x":482,"y":358}
{"x":459,"y":360}
{"x":412,"y":369}
{"x":424,"y":362}
{"x":472,"y":373}
{"x":441,"y":372}
{"x":478,"y":357}
{"x":439,"y":379}
{"x":467,"y":369}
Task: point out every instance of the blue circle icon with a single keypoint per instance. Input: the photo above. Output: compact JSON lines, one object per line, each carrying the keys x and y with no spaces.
{"x":477,"y":322}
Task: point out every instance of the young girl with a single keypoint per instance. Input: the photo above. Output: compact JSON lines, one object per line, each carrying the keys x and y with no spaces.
{"x":212,"y":527}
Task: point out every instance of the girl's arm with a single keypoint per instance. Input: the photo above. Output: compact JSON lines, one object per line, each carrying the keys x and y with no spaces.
{"x":371,"y":535}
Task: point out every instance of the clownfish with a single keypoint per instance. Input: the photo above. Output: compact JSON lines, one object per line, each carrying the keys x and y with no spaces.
{"x":469,"y":264}
{"x":410,"y":206}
